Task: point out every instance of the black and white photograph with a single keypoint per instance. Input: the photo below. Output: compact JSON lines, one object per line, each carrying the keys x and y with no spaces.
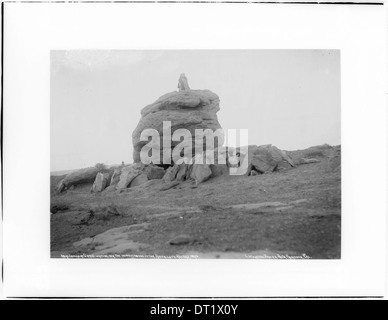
{"x":193,"y":150}
{"x":243,"y":157}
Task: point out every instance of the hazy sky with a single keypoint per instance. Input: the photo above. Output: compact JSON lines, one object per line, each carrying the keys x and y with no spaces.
{"x":289,"y":98}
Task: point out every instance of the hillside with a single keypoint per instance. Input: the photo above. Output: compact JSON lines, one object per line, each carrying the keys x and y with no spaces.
{"x":290,"y":213}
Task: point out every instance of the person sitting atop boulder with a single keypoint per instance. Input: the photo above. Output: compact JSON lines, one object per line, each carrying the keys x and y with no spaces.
{"x":182,"y":83}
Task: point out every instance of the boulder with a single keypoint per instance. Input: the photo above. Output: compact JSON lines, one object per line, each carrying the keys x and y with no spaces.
{"x":200,"y":173}
{"x":129,"y":173}
{"x":264,"y":159}
{"x":139,"y":180}
{"x":82,"y":176}
{"x":154,"y":172}
{"x":219,"y":169}
{"x":115,"y":177}
{"x":222,"y":156}
{"x":171,"y":173}
{"x":185,"y":109}
{"x":61,"y":187}
{"x":224,"y":159}
{"x":101,"y":182}
{"x":182,"y":172}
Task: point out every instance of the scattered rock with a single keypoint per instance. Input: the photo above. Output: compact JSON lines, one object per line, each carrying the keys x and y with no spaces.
{"x":101,"y":182}
{"x":265,"y":159}
{"x":115,"y":177}
{"x":128,"y":174}
{"x":200,"y":173}
{"x":171,"y":173}
{"x":61,"y":187}
{"x":219,"y":169}
{"x":223,"y":159}
{"x":182,"y":172}
{"x":78,"y":177}
{"x":139,"y":180}
{"x":154,"y":172}
{"x":180,"y":240}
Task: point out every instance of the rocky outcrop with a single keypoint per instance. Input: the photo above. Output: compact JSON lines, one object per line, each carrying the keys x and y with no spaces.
{"x":251,"y":160}
{"x":264,"y":159}
{"x":185,"y":109}
{"x":315,"y":154}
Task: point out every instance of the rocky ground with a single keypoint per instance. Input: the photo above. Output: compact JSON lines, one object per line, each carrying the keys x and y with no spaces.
{"x":290,"y":213}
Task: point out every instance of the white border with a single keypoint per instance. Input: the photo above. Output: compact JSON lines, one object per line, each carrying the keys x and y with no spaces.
{"x":32,"y":30}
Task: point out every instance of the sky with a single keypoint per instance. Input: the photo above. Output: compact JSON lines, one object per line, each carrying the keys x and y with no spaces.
{"x":287,"y":98}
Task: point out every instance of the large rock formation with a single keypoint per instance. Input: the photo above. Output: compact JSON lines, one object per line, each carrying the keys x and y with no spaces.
{"x":186,"y":109}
